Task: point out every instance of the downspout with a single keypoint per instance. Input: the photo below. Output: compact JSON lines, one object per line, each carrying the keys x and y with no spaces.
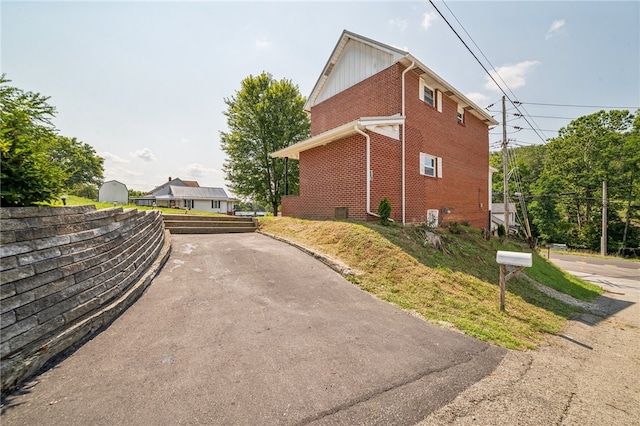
{"x":404,"y":128}
{"x":357,"y":129}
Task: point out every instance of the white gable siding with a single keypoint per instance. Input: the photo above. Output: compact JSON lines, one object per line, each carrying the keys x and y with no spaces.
{"x":358,"y":62}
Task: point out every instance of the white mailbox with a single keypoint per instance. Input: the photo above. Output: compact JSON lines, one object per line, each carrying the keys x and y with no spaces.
{"x":514,"y":258}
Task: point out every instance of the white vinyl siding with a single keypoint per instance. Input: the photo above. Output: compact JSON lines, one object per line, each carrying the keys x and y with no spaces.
{"x":359,"y":61}
{"x":430,"y":165}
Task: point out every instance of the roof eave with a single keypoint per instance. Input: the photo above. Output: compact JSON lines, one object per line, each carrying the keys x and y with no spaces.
{"x":450,"y":91}
{"x":340,"y":132}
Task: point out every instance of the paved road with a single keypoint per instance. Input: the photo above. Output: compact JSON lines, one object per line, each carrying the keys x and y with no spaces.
{"x":613,"y":275}
{"x":242,"y":329}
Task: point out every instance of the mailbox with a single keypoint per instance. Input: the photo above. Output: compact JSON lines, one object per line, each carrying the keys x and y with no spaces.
{"x":514,"y":258}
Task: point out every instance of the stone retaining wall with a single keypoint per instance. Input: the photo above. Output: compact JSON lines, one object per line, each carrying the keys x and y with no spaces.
{"x":67,"y":271}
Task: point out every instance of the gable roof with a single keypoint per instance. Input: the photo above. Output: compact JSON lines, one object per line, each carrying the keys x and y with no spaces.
{"x":199,"y":193}
{"x":385,"y":56}
{"x":174,"y":182}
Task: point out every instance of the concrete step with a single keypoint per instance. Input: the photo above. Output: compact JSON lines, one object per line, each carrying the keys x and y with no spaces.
{"x":192,"y":224}
{"x":203,"y":230}
{"x":193,"y":217}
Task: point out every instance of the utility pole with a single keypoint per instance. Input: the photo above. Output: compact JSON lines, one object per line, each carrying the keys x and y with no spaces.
{"x":505,"y":166}
{"x":603,"y":241}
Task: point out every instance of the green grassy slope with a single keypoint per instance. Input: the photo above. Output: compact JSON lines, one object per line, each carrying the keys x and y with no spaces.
{"x":457,"y":290}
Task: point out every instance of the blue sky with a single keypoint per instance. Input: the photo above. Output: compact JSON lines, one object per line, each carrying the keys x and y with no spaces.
{"x":144,"y":82}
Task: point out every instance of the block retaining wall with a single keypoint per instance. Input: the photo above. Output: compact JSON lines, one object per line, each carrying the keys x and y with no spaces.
{"x":67,"y":271}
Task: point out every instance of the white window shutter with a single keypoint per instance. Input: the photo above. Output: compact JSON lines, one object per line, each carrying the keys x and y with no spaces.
{"x":439,"y":171}
{"x":439,"y":100}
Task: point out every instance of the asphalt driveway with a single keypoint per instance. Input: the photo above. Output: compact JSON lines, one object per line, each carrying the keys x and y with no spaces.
{"x":243,"y":329}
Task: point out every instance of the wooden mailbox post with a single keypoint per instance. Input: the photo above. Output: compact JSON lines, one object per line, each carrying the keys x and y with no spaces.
{"x":512,"y":258}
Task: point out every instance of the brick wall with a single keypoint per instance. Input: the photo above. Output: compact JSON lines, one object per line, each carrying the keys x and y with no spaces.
{"x":65,"y":272}
{"x":334,"y":174}
{"x":464,"y":148}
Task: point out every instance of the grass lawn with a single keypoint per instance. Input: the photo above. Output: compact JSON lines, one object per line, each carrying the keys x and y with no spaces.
{"x":457,"y":290}
{"x":72,"y":200}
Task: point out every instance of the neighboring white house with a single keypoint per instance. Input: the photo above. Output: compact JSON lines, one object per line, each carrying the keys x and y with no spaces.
{"x":497,"y":216}
{"x":189,"y":195}
{"x":113,"y":192}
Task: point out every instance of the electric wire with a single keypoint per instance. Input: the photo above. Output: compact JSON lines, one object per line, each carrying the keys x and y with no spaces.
{"x":576,"y":105}
{"x":543,"y":139}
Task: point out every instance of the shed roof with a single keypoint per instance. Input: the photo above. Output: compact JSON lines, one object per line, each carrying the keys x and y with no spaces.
{"x":383,"y":125}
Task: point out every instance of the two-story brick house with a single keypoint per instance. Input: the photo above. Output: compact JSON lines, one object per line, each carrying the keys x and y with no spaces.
{"x":385,"y":125}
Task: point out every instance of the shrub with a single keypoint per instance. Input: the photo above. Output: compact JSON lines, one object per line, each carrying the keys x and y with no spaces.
{"x":384,"y":211}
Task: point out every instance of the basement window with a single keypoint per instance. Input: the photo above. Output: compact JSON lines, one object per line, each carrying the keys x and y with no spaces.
{"x":430,"y":165}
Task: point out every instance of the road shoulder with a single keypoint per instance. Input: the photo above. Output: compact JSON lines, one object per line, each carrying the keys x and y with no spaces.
{"x":585,"y":376}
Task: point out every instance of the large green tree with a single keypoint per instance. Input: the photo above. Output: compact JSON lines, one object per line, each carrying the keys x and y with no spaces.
{"x":264,"y":116}
{"x":83,"y":168}
{"x":37,"y":163}
{"x":27,"y":138}
{"x":592,"y":149}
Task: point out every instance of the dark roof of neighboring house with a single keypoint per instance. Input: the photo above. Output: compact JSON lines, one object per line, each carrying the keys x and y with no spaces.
{"x":174,"y":182}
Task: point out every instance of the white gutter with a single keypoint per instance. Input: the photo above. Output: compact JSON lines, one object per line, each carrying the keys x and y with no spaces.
{"x":357,"y":129}
{"x":404,"y":128}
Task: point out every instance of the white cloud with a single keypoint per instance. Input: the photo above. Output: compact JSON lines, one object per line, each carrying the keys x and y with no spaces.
{"x":512,"y":75}
{"x":184,"y":140}
{"x":197,"y":170}
{"x":144,"y":154}
{"x":398,"y":23}
{"x":262,"y":43}
{"x":555,"y":28}
{"x":427,"y":20}
{"x":479,"y":99}
{"x":112,"y":158}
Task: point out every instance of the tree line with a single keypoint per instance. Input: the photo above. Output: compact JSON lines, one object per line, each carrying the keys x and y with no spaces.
{"x":38,"y":164}
{"x":562,"y":182}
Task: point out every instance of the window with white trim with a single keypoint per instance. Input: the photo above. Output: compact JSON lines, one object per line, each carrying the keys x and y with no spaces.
{"x":215,"y":204}
{"x":430,"y":96}
{"x":430,"y":165}
{"x":460,"y":114}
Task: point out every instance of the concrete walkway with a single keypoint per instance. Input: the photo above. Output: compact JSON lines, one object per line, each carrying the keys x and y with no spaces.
{"x":243,"y":329}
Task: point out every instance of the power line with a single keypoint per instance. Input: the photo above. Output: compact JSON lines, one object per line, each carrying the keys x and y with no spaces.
{"x":482,"y":65}
{"x":575,"y":105}
{"x":547,"y":116}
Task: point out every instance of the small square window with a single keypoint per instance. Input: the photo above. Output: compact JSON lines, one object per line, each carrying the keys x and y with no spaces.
{"x":215,"y":204}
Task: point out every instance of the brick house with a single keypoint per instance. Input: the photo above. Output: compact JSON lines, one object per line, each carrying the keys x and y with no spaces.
{"x":385,"y":125}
